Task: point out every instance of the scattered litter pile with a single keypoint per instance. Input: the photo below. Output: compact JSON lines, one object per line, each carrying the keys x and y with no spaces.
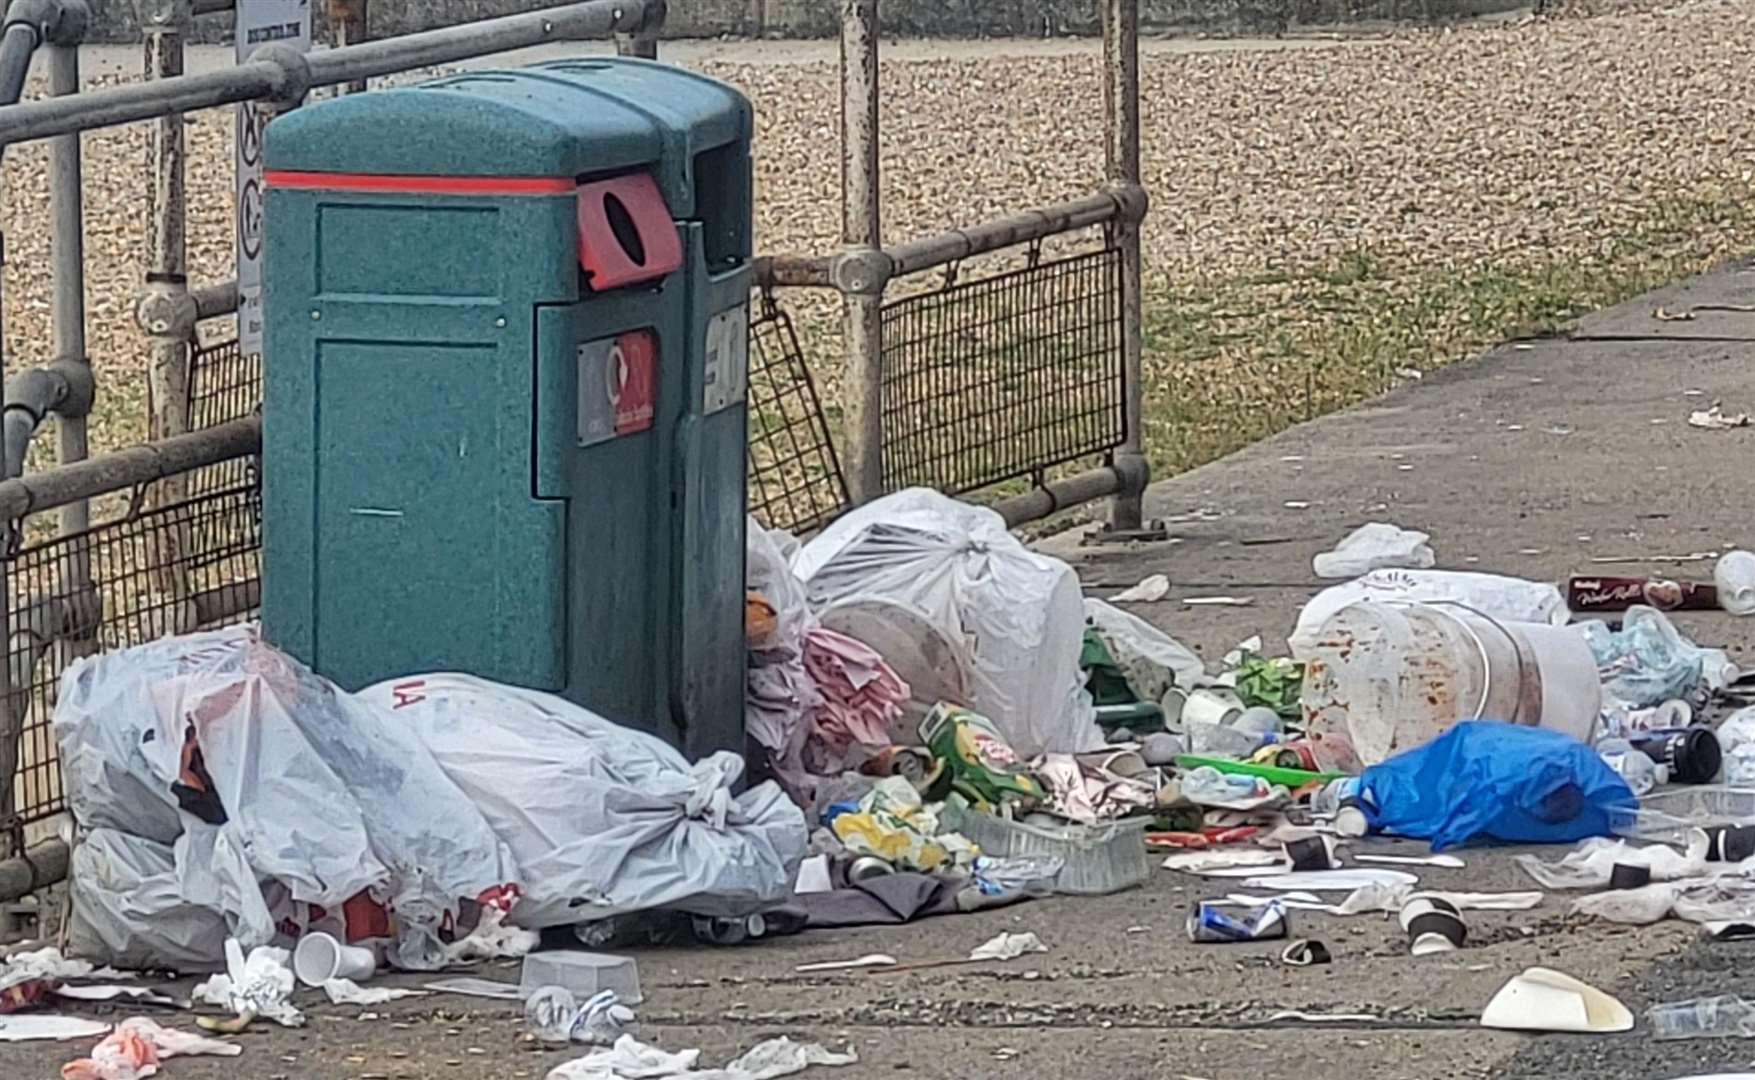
{"x":941,"y":722}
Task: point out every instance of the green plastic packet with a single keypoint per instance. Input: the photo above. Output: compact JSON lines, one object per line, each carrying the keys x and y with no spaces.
{"x":983,"y":767}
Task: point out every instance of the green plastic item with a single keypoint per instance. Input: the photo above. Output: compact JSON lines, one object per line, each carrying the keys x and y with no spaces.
{"x":983,"y":767}
{"x":1139,"y":717}
{"x":1108,"y":686}
{"x":1273,"y":774}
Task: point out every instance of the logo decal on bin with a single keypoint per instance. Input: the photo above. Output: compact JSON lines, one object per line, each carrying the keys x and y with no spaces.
{"x":618,"y":386}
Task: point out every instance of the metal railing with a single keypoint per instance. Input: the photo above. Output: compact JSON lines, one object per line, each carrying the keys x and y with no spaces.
{"x":795,"y":480}
{"x":915,"y":372}
{"x":1040,"y":363}
{"x":1003,"y":377}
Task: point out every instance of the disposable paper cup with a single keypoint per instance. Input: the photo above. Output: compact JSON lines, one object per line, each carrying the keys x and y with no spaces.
{"x":1206,"y":707}
{"x":319,"y":958}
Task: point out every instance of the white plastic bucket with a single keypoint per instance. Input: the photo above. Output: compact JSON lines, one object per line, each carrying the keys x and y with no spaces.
{"x":1385,"y":677}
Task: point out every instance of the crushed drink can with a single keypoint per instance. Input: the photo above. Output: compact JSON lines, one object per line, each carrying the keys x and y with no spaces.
{"x":1210,"y":924}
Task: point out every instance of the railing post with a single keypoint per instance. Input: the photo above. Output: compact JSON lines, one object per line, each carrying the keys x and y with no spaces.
{"x":67,"y":249}
{"x":11,"y":719}
{"x":167,"y":310}
{"x":347,"y":26}
{"x":642,"y":44}
{"x":862,"y":269}
{"x":1121,"y":108}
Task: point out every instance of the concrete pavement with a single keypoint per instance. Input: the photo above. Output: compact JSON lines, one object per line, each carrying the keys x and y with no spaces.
{"x":1530,"y":460}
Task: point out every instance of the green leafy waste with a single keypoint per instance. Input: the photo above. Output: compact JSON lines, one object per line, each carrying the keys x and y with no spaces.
{"x":1273,"y":683}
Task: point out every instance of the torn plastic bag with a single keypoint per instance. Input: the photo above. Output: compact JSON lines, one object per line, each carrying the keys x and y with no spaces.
{"x":1592,"y":864}
{"x":1376,"y":545}
{"x":281,"y":777}
{"x":1015,"y":613}
{"x":1150,"y":660}
{"x":1645,"y":663}
{"x":119,"y":760}
{"x":1506,"y":599}
{"x":602,"y":820}
{"x":128,"y":908}
{"x":1488,"y":779}
{"x":768,"y":572}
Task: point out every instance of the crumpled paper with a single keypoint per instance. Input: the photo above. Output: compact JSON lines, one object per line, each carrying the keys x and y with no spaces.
{"x":48,"y":963}
{"x":861,"y":695}
{"x":1086,"y":793}
{"x":348,"y":992}
{"x":631,"y":1059}
{"x":1007,"y":946}
{"x":492,"y":939}
{"x":261,"y":985}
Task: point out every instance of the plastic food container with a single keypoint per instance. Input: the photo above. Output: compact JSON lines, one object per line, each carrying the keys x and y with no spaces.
{"x":582,"y":973}
{"x":1095,"y":859}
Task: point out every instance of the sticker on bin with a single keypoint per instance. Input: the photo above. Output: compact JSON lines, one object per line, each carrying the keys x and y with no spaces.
{"x":725,"y":375}
{"x":618,"y":386}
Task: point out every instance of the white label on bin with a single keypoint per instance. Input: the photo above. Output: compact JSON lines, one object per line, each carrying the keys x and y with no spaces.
{"x":618,"y":386}
{"x":726,"y":371}
{"x":258,"y":23}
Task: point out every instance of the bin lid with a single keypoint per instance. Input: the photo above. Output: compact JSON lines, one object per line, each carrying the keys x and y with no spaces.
{"x":584,"y":117}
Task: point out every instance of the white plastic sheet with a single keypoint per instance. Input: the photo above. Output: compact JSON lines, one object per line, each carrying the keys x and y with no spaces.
{"x":601,"y":820}
{"x":1016,"y":614}
{"x":631,"y":1059}
{"x":128,"y":907}
{"x":1591,"y":863}
{"x":1377,"y":545}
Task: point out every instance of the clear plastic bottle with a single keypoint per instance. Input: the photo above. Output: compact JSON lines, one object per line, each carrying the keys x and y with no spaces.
{"x":1724,"y":1017}
{"x":556,"y":1016}
{"x":1219,"y":740}
{"x":549,"y":1011}
{"x":1333,"y":794}
{"x":1260,"y":723}
{"x":1207,"y":786}
{"x":1635,"y":766}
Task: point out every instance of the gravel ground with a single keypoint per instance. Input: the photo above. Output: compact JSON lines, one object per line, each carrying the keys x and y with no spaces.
{"x":1430,"y":150}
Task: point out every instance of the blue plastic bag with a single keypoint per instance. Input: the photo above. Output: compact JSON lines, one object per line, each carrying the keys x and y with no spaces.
{"x":1498,"y":781}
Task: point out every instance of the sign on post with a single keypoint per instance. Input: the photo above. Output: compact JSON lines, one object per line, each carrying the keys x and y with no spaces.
{"x":259,"y":23}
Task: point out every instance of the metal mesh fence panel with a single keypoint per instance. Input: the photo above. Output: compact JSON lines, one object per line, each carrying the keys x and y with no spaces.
{"x":1003,"y":377}
{"x":795,"y":480}
{"x":224,"y":384}
{"x":167,"y":570}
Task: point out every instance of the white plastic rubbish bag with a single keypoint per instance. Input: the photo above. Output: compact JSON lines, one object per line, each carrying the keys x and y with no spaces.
{"x":280,"y":777}
{"x":119,"y":757}
{"x":1377,"y":545}
{"x":602,"y":820}
{"x":1506,"y":599}
{"x":128,"y":908}
{"x":1017,"y":614}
